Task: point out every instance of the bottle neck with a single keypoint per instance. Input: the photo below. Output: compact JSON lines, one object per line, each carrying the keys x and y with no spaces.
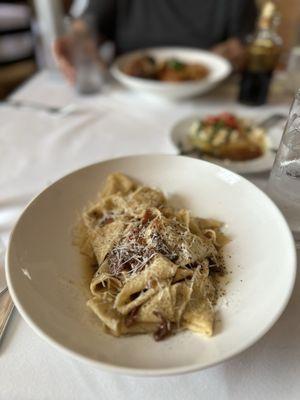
{"x":264,"y":47}
{"x":267,"y":24}
{"x":268,"y":15}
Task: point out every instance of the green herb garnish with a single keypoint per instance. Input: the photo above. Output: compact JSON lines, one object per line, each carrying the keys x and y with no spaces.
{"x":175,"y":64}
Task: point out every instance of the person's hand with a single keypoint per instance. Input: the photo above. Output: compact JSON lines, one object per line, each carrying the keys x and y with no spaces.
{"x":233,"y":50}
{"x":62,"y":53}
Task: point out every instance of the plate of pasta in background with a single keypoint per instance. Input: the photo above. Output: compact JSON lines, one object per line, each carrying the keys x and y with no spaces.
{"x":151,"y":265}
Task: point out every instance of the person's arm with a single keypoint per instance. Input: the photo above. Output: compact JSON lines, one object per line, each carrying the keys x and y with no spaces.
{"x":242,"y":16}
{"x":233,"y":50}
{"x":103,"y":14}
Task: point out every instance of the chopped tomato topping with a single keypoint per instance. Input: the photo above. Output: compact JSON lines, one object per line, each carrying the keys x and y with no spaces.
{"x":228,"y":119}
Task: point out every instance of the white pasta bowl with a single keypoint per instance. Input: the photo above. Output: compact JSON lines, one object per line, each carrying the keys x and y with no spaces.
{"x":49,"y":286}
{"x":219,"y":69}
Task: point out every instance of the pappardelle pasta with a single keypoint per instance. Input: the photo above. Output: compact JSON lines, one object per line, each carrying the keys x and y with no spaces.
{"x":155,"y":266}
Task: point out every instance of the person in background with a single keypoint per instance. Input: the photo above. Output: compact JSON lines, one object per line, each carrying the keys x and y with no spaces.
{"x":217,"y":25}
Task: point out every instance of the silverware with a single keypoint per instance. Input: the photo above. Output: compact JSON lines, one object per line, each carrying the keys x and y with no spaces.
{"x":64,"y":110}
{"x":6,"y":303}
{"x":6,"y":309}
{"x":3,"y":285}
{"x":3,"y":290}
{"x":297,"y":239}
{"x":272,"y":120}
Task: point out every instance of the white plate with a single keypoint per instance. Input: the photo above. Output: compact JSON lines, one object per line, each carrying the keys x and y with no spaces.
{"x":47,"y":281}
{"x":179,"y":137}
{"x":219,"y":69}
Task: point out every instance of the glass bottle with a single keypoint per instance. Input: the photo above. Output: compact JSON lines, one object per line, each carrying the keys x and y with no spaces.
{"x":262,"y":56}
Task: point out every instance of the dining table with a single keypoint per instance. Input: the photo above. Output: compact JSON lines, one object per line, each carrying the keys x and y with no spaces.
{"x":48,"y":130}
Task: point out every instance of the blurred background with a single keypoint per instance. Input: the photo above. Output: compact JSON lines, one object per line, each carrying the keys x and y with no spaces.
{"x":27,"y":29}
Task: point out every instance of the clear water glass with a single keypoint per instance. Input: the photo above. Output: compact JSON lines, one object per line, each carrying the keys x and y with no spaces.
{"x":293,"y":68}
{"x":284,"y":182}
{"x":89,"y":74}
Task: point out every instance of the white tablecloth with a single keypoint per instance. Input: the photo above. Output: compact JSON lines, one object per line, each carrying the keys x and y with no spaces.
{"x":36,"y":148}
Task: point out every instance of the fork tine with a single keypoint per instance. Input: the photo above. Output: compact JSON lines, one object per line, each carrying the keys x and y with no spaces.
{"x":6,"y":310}
{"x":3,"y":291}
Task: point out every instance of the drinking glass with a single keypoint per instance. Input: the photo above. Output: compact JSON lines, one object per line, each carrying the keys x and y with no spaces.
{"x":89,"y":72}
{"x":293,"y":68}
{"x":284,"y":181}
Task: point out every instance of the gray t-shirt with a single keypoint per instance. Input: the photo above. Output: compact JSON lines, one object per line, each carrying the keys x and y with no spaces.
{"x":134,"y":24}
